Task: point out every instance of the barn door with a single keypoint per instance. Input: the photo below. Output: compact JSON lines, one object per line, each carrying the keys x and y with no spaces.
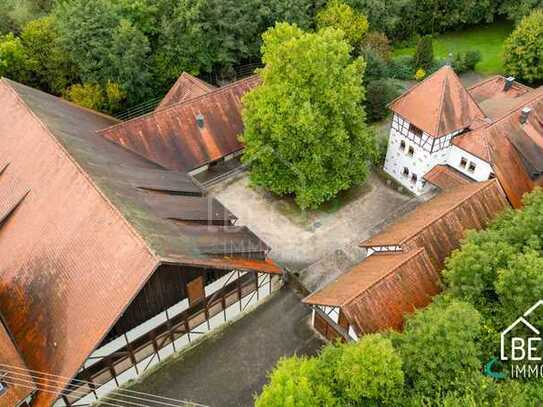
{"x":195,"y":290}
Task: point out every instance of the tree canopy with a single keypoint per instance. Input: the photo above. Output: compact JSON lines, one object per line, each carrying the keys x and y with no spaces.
{"x":342,"y":17}
{"x":524,"y":49}
{"x":305,"y":131}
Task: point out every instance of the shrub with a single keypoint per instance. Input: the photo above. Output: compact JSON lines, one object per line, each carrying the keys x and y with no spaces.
{"x":379,"y":43}
{"x":424,"y":53}
{"x":379,"y":94}
{"x":420,"y":74}
{"x":13,"y":58}
{"x":402,"y":68}
{"x":465,"y":61}
{"x":295,"y":382}
{"x":523,"y":54}
{"x":376,"y":67}
{"x":93,"y":96}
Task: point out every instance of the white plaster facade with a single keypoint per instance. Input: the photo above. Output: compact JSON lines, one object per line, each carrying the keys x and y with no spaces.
{"x":412,"y":153}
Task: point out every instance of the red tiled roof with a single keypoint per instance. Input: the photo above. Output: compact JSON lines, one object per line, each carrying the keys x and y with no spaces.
{"x":172,"y":138}
{"x":440,"y":224}
{"x":90,"y":217}
{"x":474,"y":142}
{"x":438,"y":105}
{"x":378,"y":293}
{"x":445,"y":177}
{"x":187,"y":87}
{"x":13,"y":372}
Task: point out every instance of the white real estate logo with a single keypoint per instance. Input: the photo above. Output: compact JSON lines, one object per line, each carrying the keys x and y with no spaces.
{"x":526,"y":350}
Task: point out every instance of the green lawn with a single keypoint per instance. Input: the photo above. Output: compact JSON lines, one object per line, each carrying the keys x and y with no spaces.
{"x":488,"y":39}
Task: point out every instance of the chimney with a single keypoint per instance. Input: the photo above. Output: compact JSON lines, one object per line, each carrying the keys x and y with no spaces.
{"x":200,"y":120}
{"x":524,"y":114}
{"x":508,"y":83}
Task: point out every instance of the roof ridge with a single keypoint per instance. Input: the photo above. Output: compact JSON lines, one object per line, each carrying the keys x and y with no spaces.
{"x":441,"y":101}
{"x":484,"y":81}
{"x":409,"y":254}
{"x":539,"y":94}
{"x":412,"y":89}
{"x":481,"y":186}
{"x":183,"y":103}
{"x":132,"y":230}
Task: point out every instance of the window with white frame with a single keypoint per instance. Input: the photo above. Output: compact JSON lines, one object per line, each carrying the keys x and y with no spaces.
{"x":414,"y":178}
{"x":405,"y":172}
{"x":463,"y":162}
{"x":472,"y":166}
{"x":411,"y":151}
{"x":402,"y":145}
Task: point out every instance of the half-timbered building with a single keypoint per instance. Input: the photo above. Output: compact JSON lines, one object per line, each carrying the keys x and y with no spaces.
{"x":109,"y":261}
{"x":492,"y":129}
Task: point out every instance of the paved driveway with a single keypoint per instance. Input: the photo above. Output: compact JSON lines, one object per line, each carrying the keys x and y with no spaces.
{"x":228,"y":369}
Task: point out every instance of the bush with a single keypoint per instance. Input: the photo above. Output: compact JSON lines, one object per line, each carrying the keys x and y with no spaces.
{"x":93,"y":96}
{"x":465,"y":61}
{"x":424,"y":53}
{"x":296,"y":382}
{"x":523,"y":54}
{"x":379,"y":94}
{"x":379,"y":43}
{"x":402,"y":68}
{"x":376,"y":67}
{"x":420,"y":74}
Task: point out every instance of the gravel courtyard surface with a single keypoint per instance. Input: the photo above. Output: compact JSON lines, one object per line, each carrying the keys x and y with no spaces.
{"x":298,"y":240}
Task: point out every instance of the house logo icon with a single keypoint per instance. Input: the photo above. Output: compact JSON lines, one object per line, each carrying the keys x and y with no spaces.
{"x":521,"y":347}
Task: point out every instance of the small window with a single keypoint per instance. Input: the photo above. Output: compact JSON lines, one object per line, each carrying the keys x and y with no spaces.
{"x":471,"y":167}
{"x":411,"y":151}
{"x":405,"y":172}
{"x":414,"y":178}
{"x":463,"y":162}
{"x":415,"y":130}
{"x":402,"y":145}
{"x":491,"y":176}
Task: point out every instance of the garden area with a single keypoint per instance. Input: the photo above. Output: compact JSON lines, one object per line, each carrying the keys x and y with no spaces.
{"x":487,"y":38}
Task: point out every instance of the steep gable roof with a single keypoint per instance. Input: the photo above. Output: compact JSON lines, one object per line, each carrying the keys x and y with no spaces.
{"x":172,"y":137}
{"x":446,"y":177}
{"x":439,"y":105}
{"x":185,"y":88}
{"x":94,"y":212}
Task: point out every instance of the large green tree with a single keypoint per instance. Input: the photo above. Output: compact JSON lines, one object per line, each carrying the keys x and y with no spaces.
{"x":341,"y":16}
{"x":305,"y":130}
{"x":50,"y":66}
{"x":368,"y":372}
{"x":523,"y":55}
{"x":439,"y":347}
{"x":13,"y":58}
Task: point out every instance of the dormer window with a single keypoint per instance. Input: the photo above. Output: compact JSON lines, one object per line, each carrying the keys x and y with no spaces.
{"x":463,"y":162}
{"x":402,"y":145}
{"x":415,"y":130}
{"x":411,"y":151}
{"x":471,"y":167}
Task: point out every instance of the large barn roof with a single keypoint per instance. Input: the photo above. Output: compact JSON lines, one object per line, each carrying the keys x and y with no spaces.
{"x":438,"y":105}
{"x":468,"y":202}
{"x":13,"y":372}
{"x":377,"y":293}
{"x":173,"y":138}
{"x":81,"y":211}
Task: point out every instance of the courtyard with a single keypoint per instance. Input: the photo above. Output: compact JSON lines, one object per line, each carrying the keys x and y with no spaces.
{"x":300,"y":238}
